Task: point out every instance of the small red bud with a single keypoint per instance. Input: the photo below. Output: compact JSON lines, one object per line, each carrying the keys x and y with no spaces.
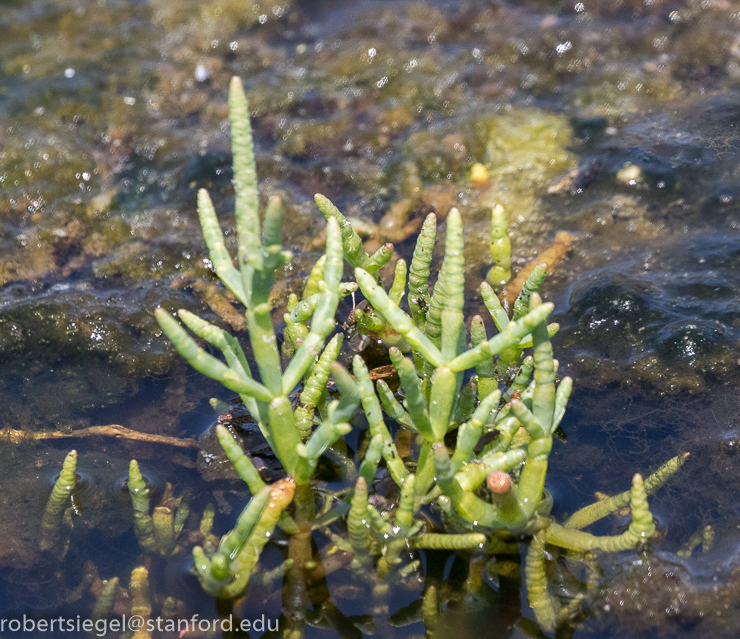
{"x":499,"y":482}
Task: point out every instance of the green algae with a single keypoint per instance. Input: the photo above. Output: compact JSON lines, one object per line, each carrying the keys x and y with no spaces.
{"x":525,"y":150}
{"x":219,"y":17}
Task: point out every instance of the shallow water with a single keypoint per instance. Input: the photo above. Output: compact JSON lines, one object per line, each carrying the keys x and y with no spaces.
{"x":113,"y":114}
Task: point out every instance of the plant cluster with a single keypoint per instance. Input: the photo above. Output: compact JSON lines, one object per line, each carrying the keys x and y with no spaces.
{"x":483,"y":414}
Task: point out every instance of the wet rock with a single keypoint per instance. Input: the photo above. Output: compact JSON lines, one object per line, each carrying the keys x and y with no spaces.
{"x":213,"y":464}
{"x":700,"y":51}
{"x":77,"y":323}
{"x":589,"y":129}
{"x":687,"y":341}
{"x":725,"y":201}
{"x":611,"y":309}
{"x":138,"y":260}
{"x":436,"y":160}
{"x":212,"y":170}
{"x":669,"y":321}
{"x":91,"y":347}
{"x":317,"y":138}
{"x":624,"y":8}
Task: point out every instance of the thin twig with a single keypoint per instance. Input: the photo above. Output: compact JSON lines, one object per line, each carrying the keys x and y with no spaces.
{"x":111,"y":430}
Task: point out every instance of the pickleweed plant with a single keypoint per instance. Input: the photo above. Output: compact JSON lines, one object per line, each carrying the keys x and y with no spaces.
{"x":456,"y":385}
{"x":258,"y":259}
{"x":156,"y":531}
{"x":287,"y":429}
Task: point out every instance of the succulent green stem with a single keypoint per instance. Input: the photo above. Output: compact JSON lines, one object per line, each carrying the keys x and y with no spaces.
{"x":322,"y":323}
{"x":104,"y":603}
{"x":374,"y":416}
{"x":214,"y":238}
{"x":450,"y":541}
{"x":316,"y":275}
{"x":351,"y":242}
{"x":419,"y":271}
{"x":430,"y":611}
{"x":397,"y":318}
{"x":143,"y":523}
{"x":500,"y":272}
{"x":315,"y":385}
{"x":537,"y":591}
{"x":393,"y":408}
{"x":414,"y":400}
{"x":358,"y":525}
{"x":641,"y":528}
{"x":600,"y":509}
{"x":51,"y":524}
{"x":405,"y":512}
{"x":240,"y":460}
{"x":487,"y":382}
{"x":241,"y":565}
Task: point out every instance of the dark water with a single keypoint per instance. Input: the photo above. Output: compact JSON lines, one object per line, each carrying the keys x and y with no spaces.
{"x":614,"y":121}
